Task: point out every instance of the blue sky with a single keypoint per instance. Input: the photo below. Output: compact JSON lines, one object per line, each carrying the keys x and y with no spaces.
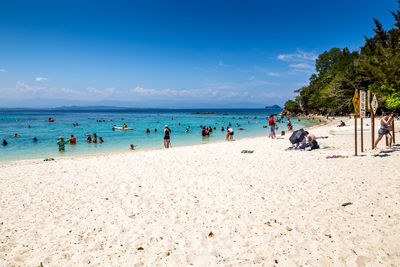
{"x":172,"y":53}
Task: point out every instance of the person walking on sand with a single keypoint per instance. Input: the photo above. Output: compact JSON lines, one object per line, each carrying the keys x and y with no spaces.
{"x":167,"y":133}
{"x":386,"y":126}
{"x":271,"y":124}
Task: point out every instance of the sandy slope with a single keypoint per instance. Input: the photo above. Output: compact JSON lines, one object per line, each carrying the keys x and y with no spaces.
{"x":102,"y":210}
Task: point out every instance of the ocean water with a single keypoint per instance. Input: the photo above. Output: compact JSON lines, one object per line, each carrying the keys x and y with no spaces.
{"x":101,"y":122}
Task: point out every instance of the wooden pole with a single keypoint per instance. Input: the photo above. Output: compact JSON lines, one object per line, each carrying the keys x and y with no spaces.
{"x":362,"y":136}
{"x":355,"y":136}
{"x":372,"y":120}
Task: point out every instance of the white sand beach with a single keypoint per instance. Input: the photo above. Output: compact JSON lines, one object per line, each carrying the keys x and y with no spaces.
{"x":206,"y":205}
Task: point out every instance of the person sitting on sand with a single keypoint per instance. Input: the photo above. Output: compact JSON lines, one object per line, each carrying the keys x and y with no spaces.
{"x":72,"y":140}
{"x":4,"y":142}
{"x":167,"y":133}
{"x":386,"y":126}
{"x":341,"y":124}
{"x":303,"y":143}
{"x":310,"y":137}
{"x":61,"y":144}
{"x":289,"y":125}
{"x":101,"y":140}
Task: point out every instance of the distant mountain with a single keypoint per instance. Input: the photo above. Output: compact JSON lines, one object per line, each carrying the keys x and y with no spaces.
{"x":273,"y":107}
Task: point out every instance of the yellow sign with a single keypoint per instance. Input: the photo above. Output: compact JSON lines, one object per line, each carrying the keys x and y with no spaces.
{"x":356,"y":115}
{"x":356,"y":102}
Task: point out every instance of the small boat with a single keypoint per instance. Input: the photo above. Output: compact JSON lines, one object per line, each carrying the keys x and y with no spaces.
{"x":122,"y":128}
{"x":349,"y":129}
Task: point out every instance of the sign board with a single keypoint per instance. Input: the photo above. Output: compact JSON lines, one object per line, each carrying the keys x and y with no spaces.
{"x":356,"y":102}
{"x":356,"y":115}
{"x":362,"y":103}
{"x":374,"y":104}
{"x":369,"y":100}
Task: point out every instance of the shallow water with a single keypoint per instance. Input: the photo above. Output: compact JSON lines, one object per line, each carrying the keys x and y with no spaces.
{"x":17,"y":121}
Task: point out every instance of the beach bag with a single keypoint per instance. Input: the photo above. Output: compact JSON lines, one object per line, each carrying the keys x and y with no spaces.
{"x":314,"y":144}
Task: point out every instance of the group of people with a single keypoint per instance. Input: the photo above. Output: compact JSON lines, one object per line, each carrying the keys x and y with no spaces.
{"x":308,"y":142}
{"x":92,"y":138}
{"x":205,"y":131}
{"x":72,"y":140}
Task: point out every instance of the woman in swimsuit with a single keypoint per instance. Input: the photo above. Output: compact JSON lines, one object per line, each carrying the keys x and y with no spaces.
{"x":386,"y":125}
{"x":167,"y":132}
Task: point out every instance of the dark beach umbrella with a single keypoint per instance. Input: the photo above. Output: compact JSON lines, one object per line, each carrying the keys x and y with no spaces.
{"x":297,"y":136}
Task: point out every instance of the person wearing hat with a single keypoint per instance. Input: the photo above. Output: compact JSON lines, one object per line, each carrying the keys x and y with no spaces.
{"x":167,"y":132}
{"x":61,"y":143}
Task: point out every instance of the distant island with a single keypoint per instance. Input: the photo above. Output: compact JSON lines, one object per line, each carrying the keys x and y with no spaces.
{"x":273,"y":107}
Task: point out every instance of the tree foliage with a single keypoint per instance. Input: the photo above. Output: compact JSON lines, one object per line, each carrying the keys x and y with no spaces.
{"x":339,"y":72}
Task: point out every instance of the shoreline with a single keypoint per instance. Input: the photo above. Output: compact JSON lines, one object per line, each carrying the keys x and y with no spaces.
{"x":104,"y":153}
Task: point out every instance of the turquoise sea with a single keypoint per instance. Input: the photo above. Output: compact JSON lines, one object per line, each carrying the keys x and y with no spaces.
{"x":101,"y":122}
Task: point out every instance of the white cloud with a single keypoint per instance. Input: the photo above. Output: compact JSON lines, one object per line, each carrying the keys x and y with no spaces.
{"x":298,"y":56}
{"x":275,"y":74}
{"x":27,"y":88}
{"x":221,"y":64}
{"x":41,"y":79}
{"x":301,"y":66}
{"x":3,"y":70}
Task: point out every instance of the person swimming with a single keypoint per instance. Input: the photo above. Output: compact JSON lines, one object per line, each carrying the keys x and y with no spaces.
{"x":101,"y":140}
{"x":133,"y":147}
{"x":4,"y":143}
{"x":94,"y":140}
{"x":125,"y":126}
{"x":89,"y":139}
{"x":16,"y":135}
{"x":34,"y":139}
{"x":147,"y":130}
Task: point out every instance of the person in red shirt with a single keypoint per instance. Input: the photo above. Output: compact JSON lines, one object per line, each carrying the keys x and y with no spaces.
{"x":72,"y":139}
{"x":271,"y":124}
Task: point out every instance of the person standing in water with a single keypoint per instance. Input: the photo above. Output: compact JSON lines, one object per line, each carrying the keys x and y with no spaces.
{"x":61,"y":144}
{"x":167,"y":133}
{"x":289,"y":125}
